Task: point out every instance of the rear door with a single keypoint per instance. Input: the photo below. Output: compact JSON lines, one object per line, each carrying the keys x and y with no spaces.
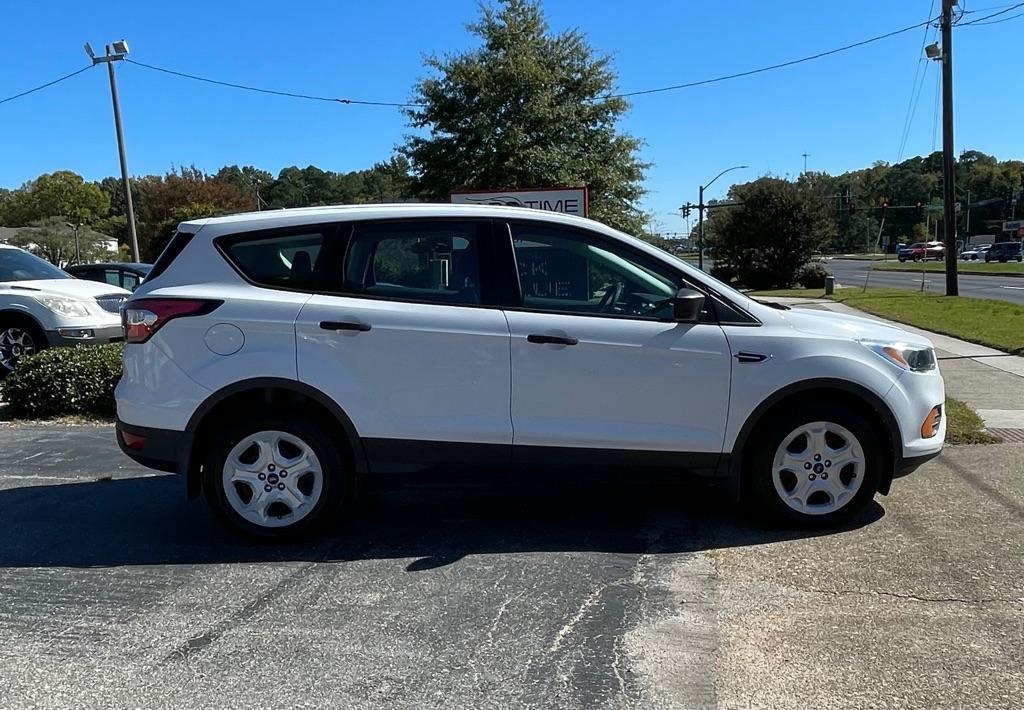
{"x":406,"y":342}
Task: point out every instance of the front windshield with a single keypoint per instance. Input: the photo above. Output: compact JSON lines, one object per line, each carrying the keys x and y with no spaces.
{"x":18,"y":265}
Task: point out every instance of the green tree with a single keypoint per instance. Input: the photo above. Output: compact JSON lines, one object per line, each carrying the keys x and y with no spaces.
{"x":54,"y":240}
{"x":527,"y":108}
{"x":769,"y":239}
{"x":61,"y":194}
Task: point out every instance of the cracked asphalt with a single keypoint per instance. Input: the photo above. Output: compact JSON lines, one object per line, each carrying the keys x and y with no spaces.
{"x":116,"y":592}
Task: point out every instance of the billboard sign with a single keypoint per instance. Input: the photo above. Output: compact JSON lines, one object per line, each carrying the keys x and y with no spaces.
{"x":566,"y":200}
{"x":1013,"y":226}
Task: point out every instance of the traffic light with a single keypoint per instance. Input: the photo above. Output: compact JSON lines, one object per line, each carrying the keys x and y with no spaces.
{"x":920,"y":212}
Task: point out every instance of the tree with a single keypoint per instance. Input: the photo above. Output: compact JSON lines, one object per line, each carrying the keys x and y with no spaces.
{"x":54,"y":240}
{"x":246,"y":179}
{"x":183,"y":194}
{"x":768,"y":239}
{"x":527,"y":108}
{"x":61,"y":194}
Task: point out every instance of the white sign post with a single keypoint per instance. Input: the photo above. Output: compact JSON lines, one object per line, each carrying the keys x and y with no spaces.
{"x":567,"y":200}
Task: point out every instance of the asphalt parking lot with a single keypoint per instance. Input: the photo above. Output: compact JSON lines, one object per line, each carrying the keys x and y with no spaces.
{"x":116,"y":592}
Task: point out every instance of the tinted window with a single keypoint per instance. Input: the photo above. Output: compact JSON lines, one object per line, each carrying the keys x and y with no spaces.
{"x":277,"y":260}
{"x":112,"y":277}
{"x":561,"y":270}
{"x":178,"y":242}
{"x":129,"y":280}
{"x":423,"y":261}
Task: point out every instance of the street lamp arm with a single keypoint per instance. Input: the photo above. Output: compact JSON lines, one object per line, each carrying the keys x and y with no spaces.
{"x":735,"y":167}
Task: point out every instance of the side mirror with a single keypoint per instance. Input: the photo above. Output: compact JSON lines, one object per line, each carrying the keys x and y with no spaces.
{"x":687,"y":305}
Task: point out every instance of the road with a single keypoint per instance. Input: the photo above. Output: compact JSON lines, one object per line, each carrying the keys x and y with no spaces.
{"x":850,"y":272}
{"x":116,"y":592}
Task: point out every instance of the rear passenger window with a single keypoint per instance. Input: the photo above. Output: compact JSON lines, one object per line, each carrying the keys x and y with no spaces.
{"x":281,"y":260}
{"x":434,"y":262}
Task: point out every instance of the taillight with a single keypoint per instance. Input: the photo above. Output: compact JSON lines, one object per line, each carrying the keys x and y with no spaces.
{"x":142,"y":318}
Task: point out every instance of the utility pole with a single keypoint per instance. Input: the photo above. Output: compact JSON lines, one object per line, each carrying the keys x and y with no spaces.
{"x":948,"y":186}
{"x":115,"y":53}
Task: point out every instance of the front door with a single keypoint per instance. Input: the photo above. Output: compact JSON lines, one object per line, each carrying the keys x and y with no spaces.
{"x":596,"y":363}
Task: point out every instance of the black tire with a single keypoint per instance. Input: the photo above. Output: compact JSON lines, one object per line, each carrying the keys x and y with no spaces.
{"x":30,"y":328}
{"x":761,"y":453}
{"x":336,"y":473}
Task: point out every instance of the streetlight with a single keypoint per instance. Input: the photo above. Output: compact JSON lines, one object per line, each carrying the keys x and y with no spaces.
{"x":117,"y":52}
{"x":700,"y":214}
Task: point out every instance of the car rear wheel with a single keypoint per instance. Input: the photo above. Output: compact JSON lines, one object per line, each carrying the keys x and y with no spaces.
{"x":275,"y":478}
{"x":816,"y":467}
{"x":17,"y":341}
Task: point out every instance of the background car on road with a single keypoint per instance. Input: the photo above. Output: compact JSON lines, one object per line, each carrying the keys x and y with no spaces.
{"x":42,"y":306}
{"x":1005,"y":251}
{"x":126,"y":275}
{"x":922,"y":251}
{"x":975,"y":252}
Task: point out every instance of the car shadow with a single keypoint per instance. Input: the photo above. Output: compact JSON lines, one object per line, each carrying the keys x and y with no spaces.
{"x":147,"y":521}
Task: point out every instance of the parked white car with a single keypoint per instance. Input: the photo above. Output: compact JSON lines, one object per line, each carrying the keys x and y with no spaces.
{"x":42,"y":306}
{"x":975,"y":253}
{"x":275,"y":358}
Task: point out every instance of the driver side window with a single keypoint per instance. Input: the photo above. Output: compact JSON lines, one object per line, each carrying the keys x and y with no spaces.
{"x":567,"y":271}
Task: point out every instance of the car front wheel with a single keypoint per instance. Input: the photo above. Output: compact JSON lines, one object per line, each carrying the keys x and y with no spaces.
{"x":816,"y":468}
{"x":18,"y":341}
{"x":275,"y":478}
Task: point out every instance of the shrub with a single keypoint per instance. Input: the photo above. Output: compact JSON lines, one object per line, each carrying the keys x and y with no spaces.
{"x":723,"y":273}
{"x":65,"y":381}
{"x":813,"y":276}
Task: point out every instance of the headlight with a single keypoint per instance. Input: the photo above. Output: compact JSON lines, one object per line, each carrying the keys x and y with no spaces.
{"x":915,"y":358}
{"x":65,"y":306}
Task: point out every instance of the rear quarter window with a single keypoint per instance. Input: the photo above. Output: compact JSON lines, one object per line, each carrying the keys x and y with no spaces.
{"x":276,"y":260}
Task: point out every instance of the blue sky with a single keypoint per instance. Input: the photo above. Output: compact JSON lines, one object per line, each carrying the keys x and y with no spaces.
{"x":846,"y":110}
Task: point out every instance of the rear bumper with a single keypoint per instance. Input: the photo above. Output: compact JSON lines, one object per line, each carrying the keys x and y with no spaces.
{"x":160,"y":449}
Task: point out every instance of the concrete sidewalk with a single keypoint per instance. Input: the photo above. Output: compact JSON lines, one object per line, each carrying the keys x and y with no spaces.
{"x":990,"y":381}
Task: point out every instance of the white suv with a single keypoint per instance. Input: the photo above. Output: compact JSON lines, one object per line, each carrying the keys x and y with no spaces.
{"x":42,"y":306}
{"x":275,"y":358}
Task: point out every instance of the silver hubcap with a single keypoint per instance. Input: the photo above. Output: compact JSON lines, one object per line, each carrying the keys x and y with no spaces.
{"x":272,"y":479}
{"x":818,"y":468}
{"x":15,"y":344}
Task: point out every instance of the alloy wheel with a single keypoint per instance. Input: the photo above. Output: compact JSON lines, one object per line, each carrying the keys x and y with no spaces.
{"x":15,"y":343}
{"x":818,"y":468}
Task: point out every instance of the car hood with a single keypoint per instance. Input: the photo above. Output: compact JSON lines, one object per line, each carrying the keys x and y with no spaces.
{"x":72,"y":288}
{"x":838,"y":325}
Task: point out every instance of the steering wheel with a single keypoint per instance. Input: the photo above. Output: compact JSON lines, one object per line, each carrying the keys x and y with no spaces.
{"x":611,"y":296}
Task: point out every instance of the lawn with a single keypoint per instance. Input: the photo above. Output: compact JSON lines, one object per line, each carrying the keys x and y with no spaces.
{"x":964,"y":426}
{"x":1012,"y":268}
{"x":997,"y":324}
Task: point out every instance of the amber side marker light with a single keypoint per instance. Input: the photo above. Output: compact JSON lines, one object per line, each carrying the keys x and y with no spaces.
{"x":930,"y":425}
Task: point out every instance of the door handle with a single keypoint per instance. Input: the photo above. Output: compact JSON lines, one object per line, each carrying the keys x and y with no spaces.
{"x":551,"y":339}
{"x":343,"y":325}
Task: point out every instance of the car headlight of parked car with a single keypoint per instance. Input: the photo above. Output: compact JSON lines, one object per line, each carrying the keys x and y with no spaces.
{"x":914,"y":358}
{"x":65,"y":306}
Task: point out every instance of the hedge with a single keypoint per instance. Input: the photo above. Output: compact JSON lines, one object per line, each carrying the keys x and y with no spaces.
{"x":64,"y":381}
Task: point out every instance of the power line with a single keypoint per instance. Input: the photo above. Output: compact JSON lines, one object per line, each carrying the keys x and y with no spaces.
{"x":915,"y":90}
{"x":773,"y":66}
{"x":43,"y":86}
{"x":290,"y":94}
{"x":981,"y":20}
{"x":996,"y":22}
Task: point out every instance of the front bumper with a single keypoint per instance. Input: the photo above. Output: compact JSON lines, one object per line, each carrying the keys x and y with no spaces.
{"x":160,"y":449}
{"x":101,"y":334}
